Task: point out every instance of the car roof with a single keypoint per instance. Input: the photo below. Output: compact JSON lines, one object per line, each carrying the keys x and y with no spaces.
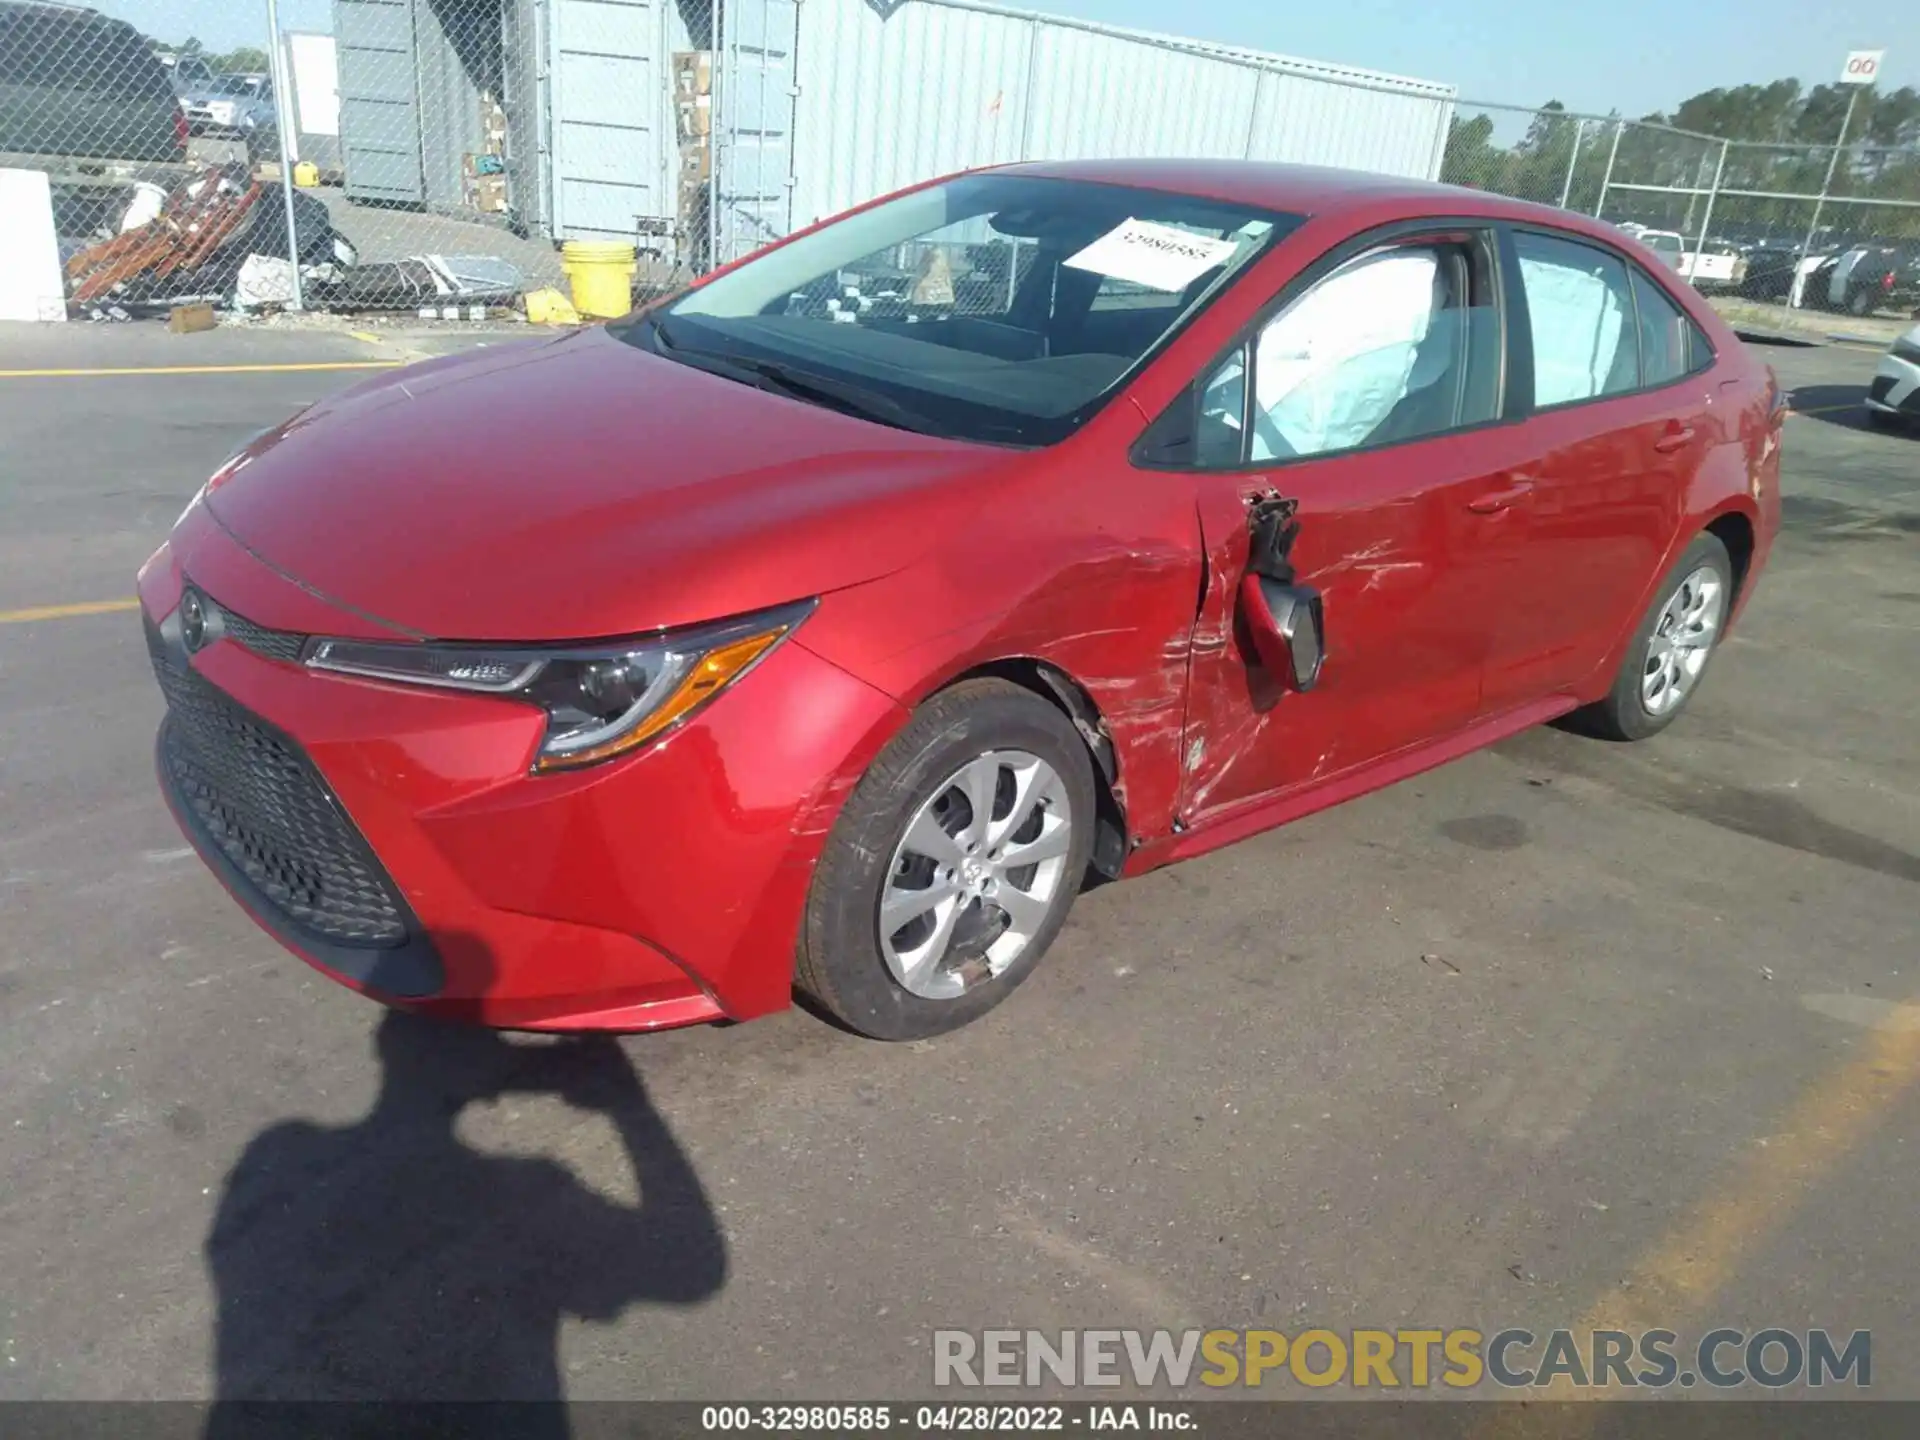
{"x":1312,"y":190}
{"x":50,"y":11}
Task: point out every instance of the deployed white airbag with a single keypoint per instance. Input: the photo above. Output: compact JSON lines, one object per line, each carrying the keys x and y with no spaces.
{"x":1577,"y":324}
{"x":1333,"y":365}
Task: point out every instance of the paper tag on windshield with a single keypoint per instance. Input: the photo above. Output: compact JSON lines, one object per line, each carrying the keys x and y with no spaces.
{"x":1159,"y":257}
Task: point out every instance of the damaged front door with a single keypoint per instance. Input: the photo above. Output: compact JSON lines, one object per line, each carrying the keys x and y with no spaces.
{"x":1365,"y":403}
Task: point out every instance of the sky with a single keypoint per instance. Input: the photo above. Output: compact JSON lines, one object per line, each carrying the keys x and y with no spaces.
{"x":1635,"y":56}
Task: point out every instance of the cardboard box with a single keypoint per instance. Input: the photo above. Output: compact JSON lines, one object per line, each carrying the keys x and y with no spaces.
{"x":185,"y":319}
{"x":695,"y":117}
{"x":490,"y":194}
{"x":692,"y":73}
{"x":483,"y":182}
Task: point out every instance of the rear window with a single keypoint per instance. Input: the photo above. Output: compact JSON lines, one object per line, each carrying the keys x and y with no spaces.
{"x":1670,"y":343}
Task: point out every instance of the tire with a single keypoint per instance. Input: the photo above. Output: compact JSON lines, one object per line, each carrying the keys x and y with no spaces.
{"x":1627,"y":713}
{"x":978,"y":730}
{"x":1860,"y":303}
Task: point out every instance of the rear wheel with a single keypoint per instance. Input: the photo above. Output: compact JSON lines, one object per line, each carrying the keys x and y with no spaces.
{"x":953,"y":865}
{"x":1669,"y":654}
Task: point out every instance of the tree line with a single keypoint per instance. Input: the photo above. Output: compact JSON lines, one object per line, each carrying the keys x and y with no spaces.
{"x":245,"y":60}
{"x":1785,"y":136}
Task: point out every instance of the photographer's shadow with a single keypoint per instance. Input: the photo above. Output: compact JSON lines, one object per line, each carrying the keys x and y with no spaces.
{"x":387,"y":1260}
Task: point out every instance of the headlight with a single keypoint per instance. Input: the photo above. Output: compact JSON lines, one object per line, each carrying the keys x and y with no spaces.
{"x":601,"y":700}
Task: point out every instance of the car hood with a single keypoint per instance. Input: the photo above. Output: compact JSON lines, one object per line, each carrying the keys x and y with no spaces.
{"x":580,"y":488}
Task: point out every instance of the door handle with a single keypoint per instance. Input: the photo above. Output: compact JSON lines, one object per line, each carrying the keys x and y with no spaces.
{"x":1494,"y":501}
{"x":1673,"y":440}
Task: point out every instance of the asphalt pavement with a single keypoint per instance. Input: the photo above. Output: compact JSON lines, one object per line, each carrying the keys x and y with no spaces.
{"x":1561,"y":1034}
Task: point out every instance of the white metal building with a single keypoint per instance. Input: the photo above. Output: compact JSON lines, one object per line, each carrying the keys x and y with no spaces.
{"x":820,"y":104}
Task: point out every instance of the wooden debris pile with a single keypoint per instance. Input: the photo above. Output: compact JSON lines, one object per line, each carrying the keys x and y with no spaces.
{"x":160,"y":257}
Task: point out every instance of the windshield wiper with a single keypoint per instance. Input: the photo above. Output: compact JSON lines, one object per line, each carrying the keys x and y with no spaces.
{"x":797,"y":383}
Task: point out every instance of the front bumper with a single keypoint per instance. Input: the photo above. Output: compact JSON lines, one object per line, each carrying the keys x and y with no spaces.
{"x":1895,"y":388}
{"x":662,"y":889}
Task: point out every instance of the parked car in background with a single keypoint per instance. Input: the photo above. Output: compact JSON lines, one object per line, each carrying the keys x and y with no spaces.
{"x":1669,"y":245}
{"x":238,"y":107}
{"x":75,"y":84}
{"x":1860,"y":279}
{"x":1894,"y":394}
{"x":1769,"y":269}
{"x":190,"y":74}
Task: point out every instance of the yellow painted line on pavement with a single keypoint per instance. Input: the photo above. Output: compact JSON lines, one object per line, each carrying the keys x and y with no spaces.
{"x":1779,"y":1173}
{"x":262,"y":369}
{"x":62,"y":612}
{"x":1681,"y":1275}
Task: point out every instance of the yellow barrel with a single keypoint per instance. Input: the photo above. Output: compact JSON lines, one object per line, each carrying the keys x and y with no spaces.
{"x":306,"y":174}
{"x":600,"y":273}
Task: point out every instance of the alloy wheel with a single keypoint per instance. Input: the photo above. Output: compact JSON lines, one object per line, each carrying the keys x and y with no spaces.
{"x":1682,"y":639}
{"x":976,"y":875}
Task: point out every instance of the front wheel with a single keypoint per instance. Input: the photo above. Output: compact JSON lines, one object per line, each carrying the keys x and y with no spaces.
{"x":1670,"y":650}
{"x":953,"y":865}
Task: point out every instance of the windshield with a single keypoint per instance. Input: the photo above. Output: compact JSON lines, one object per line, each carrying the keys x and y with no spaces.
{"x":235,"y":85}
{"x":993,"y":307}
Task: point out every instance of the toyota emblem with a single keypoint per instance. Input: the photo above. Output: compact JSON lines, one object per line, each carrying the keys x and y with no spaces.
{"x":193,"y":620}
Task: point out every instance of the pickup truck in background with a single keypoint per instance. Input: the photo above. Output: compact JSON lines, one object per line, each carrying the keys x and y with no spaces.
{"x":1714,"y":267}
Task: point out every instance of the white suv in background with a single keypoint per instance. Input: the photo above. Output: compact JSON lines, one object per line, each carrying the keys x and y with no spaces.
{"x":1895,"y":392}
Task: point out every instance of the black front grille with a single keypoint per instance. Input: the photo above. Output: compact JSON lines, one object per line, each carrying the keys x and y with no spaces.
{"x":252,"y":793}
{"x":273,"y":644}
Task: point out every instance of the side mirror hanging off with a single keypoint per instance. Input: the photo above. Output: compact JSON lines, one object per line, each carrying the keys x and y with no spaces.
{"x":1286,"y":625}
{"x":1284,"y":619}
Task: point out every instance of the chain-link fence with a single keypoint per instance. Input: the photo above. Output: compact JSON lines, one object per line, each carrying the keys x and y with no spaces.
{"x":468,"y":158}
{"x":1808,"y":225}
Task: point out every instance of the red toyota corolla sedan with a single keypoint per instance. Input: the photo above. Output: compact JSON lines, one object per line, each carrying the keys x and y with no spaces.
{"x":826,"y":626}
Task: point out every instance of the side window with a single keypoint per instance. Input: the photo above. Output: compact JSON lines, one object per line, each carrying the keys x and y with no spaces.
{"x":1400,"y":344}
{"x":1665,"y":339}
{"x":1581,"y":312}
{"x":1221,"y":437}
{"x":1700,"y":354}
